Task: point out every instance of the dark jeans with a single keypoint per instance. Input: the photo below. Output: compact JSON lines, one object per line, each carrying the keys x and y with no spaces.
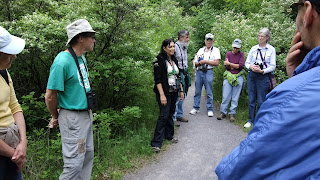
{"x":8,"y":169}
{"x":165,"y":126}
{"x":258,"y":85}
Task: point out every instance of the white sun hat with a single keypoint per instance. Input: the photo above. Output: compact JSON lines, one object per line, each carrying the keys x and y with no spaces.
{"x":10,"y":44}
{"x":77,"y":27}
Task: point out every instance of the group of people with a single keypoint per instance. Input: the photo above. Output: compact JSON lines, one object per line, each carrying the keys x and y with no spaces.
{"x":284,"y":140}
{"x":283,"y":143}
{"x":260,"y":66}
{"x":69,"y":88}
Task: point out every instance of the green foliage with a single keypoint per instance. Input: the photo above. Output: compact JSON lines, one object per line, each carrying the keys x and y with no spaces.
{"x":34,"y":111}
{"x":129,"y":35}
{"x":44,"y":156}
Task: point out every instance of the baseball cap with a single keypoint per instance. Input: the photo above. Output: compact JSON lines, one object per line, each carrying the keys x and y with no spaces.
{"x":236,"y":43}
{"x":77,"y":27}
{"x":10,"y":44}
{"x":209,"y":36}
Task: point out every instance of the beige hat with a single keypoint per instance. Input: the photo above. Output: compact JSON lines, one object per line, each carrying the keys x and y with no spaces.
{"x":10,"y":44}
{"x":77,"y":27}
{"x":236,"y":43}
{"x":209,"y":36}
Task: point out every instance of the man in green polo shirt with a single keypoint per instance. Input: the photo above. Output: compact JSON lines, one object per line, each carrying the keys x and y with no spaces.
{"x":67,"y":87}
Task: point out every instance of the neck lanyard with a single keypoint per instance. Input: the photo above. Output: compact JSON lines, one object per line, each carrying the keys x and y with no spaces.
{"x":210,"y":52}
{"x":181,"y":55}
{"x":262,"y":58}
{"x":172,"y":65}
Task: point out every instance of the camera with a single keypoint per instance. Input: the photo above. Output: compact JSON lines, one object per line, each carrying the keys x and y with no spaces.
{"x":259,"y":64}
{"x":173,"y":88}
{"x":91,"y":99}
{"x":176,"y":86}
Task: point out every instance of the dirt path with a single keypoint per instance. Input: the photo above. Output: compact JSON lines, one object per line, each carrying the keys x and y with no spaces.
{"x":203,"y":142}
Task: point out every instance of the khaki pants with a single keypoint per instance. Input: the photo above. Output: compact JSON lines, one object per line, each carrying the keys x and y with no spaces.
{"x":77,"y":144}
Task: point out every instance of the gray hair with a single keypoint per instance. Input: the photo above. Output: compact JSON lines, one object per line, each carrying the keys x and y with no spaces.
{"x":182,"y":33}
{"x":266,"y":32}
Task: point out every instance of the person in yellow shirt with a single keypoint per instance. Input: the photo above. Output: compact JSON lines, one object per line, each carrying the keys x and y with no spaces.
{"x":13,"y":141}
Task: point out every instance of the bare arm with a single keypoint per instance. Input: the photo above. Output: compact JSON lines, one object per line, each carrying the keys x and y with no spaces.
{"x":163,"y":98}
{"x":212,"y":63}
{"x":232,"y":65}
{"x":52,"y":105}
{"x":19,"y":156}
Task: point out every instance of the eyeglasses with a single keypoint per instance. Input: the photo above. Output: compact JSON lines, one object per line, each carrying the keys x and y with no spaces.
{"x":261,"y":36}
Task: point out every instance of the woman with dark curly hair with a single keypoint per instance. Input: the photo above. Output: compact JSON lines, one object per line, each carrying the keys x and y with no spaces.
{"x":167,"y":85}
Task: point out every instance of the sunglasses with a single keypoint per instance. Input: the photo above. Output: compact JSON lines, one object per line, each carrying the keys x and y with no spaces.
{"x":295,"y":7}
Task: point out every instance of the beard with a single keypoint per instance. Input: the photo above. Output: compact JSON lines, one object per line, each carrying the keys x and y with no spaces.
{"x":185,"y":44}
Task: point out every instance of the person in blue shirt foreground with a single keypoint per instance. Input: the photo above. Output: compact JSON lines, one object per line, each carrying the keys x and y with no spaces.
{"x":284,"y":142}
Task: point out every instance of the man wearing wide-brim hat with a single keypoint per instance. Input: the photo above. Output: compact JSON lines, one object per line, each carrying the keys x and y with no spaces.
{"x":68,"y":86}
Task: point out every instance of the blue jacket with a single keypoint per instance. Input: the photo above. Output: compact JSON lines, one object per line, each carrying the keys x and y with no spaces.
{"x":284,"y":142}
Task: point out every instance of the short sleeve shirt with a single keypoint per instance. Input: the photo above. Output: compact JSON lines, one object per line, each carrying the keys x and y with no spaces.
{"x":65,"y":78}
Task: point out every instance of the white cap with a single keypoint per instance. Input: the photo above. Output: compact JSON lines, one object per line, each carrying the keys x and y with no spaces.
{"x":236,"y":43}
{"x":10,"y":44}
{"x":209,"y":36}
{"x":77,"y":27}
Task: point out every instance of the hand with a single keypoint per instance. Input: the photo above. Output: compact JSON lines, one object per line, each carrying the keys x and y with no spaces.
{"x":255,"y":68}
{"x":295,"y":55}
{"x":19,"y":155}
{"x":181,"y":96}
{"x":163,"y":100}
{"x":53,"y":122}
{"x":226,"y":62}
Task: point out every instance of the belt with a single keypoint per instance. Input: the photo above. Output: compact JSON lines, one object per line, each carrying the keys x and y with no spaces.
{"x":79,"y":110}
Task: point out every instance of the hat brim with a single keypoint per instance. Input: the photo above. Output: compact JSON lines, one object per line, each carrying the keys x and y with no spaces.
{"x":15,"y":46}
{"x":236,"y":45}
{"x":92,"y":31}
{"x":209,"y":38}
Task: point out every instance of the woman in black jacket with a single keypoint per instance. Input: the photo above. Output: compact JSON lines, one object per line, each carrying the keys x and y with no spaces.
{"x":166,"y":88}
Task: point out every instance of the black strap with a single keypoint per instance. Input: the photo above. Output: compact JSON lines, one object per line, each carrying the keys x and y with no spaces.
{"x":262,"y":58}
{"x":76,"y":60}
{"x":4,"y":74}
{"x":181,"y":57}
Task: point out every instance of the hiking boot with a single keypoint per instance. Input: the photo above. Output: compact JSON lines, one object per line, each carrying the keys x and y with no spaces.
{"x":210,"y":113}
{"x":156,"y":149}
{"x":247,"y":125}
{"x":232,"y":118}
{"x":222,"y":116}
{"x":182,"y":119}
{"x":176,"y":123}
{"x":174,"y":140}
{"x":193,"y":111}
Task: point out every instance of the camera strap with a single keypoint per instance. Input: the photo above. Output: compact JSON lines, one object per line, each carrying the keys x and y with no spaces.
{"x":4,"y":74}
{"x":181,"y":57}
{"x":263,"y":58}
{"x":76,"y":60}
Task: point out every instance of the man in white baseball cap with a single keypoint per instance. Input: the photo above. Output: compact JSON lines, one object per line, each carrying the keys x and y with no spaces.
{"x":13,"y":141}
{"x":69,"y":87}
{"x":205,"y":60}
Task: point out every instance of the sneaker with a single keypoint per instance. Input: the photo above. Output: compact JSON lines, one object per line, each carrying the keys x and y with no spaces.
{"x":210,"y":113}
{"x":182,"y":119}
{"x":222,"y":116}
{"x":232,"y":118}
{"x":194,"y":111}
{"x":156,"y":149}
{"x":176,"y":123}
{"x":247,"y":125}
{"x":174,"y":140}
